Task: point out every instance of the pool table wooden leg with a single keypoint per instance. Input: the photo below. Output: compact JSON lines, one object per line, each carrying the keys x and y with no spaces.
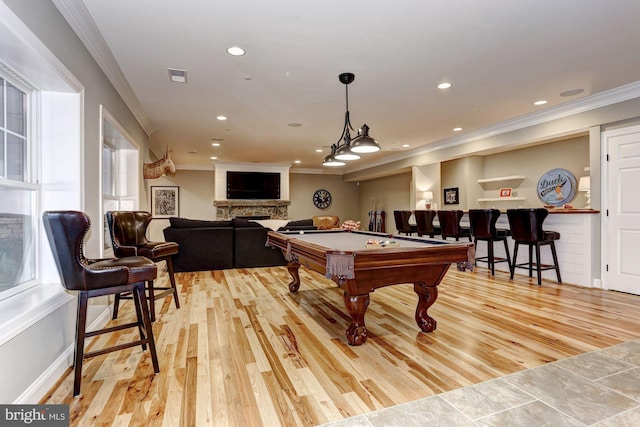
{"x":356,"y":306}
{"x":427,"y":295}
{"x":293,"y":271}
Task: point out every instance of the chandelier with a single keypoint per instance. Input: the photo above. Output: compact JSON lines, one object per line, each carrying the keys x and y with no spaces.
{"x":346,"y":148}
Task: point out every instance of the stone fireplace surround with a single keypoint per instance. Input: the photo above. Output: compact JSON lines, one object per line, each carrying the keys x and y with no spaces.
{"x":226,"y":209}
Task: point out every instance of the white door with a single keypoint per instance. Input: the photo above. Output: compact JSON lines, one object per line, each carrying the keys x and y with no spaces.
{"x":622,"y":225}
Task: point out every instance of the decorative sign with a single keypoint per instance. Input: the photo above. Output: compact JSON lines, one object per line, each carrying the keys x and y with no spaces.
{"x":505,"y":192}
{"x":557,"y":187}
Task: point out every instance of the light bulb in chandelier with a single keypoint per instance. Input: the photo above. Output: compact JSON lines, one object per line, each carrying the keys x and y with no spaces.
{"x":331,"y":160}
{"x":364,"y":143}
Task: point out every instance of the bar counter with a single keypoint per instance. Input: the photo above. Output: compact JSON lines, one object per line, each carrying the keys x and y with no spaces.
{"x":579,"y":238}
{"x":578,"y":231}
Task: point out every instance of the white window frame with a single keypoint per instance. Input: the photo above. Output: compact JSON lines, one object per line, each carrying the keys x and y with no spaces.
{"x":57,"y":102}
{"x":31,"y":179}
{"x":126,"y":172}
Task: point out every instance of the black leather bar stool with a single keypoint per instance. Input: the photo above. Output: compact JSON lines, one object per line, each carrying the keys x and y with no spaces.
{"x":98,"y":277}
{"x":402,"y":222}
{"x":424,"y":223}
{"x":526,"y":229}
{"x":483,"y":227}
{"x":128,"y":235}
{"x":450,"y":225}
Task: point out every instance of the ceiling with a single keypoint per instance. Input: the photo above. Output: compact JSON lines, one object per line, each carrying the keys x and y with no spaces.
{"x":500,"y":56}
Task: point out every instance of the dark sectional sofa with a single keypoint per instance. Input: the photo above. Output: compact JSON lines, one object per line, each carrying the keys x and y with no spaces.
{"x":216,"y":245}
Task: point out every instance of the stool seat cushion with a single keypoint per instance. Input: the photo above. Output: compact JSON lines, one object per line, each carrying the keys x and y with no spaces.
{"x":155,"y":250}
{"x":141,"y":269}
{"x":551,"y":235}
{"x":501,"y":232}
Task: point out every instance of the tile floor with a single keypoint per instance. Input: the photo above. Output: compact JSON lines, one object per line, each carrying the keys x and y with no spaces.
{"x":601,"y":388}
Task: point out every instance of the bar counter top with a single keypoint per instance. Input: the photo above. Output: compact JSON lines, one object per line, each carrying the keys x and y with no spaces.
{"x":572,"y":211}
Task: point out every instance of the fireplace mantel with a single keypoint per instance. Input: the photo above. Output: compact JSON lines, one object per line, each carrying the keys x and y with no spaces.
{"x":275,"y":209}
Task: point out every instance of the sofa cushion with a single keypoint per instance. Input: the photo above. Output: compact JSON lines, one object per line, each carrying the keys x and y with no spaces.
{"x":300,"y":223}
{"x":326,"y":222}
{"x":244,"y":223}
{"x":350,"y":225}
{"x":197,"y":223}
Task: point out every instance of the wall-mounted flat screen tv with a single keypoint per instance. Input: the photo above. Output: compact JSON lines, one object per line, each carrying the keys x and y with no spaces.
{"x":253,"y":185}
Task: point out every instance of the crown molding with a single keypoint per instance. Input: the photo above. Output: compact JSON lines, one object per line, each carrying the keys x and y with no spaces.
{"x":582,"y":105}
{"x":78,"y":17}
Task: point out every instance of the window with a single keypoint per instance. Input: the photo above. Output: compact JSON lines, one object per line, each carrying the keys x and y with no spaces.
{"x":119,"y":172}
{"x":18,"y":193}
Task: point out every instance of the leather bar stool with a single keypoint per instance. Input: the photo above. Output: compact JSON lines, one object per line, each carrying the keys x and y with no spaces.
{"x":424,"y":223}
{"x":450,"y":225}
{"x":128,"y":235}
{"x":526,"y":229}
{"x":483,"y":228}
{"x":402,"y":222}
{"x":98,"y":277}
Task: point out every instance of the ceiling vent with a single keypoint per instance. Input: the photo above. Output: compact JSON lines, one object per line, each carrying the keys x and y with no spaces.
{"x":177,"y":76}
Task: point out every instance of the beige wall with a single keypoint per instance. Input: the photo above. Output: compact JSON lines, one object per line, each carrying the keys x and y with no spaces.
{"x":393,"y":192}
{"x":533,"y":162}
{"x":463,"y":175}
{"x":427,"y":178}
{"x":196,"y":197}
{"x":344,"y":196}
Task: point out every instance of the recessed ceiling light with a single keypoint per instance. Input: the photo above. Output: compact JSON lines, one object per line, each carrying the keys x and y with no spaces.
{"x":235,"y":51}
{"x":540,"y":102}
{"x":457,"y":129}
{"x":177,"y":76}
{"x":221,"y":117}
{"x":571,"y":92}
{"x":406,"y":145}
{"x":445,"y":85}
{"x":193,"y":152}
{"x":215,"y":144}
{"x":297,"y":161}
{"x":213,"y":158}
{"x":319,"y":150}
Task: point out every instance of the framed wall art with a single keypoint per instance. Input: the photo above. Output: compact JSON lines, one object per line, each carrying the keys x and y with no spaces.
{"x":505,"y":192}
{"x":451,"y":196}
{"x":165,"y":201}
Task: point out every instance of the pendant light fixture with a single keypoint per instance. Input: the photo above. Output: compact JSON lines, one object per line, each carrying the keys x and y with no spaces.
{"x":346,"y":148}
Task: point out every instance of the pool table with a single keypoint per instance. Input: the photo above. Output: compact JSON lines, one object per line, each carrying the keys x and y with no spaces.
{"x":344,"y":257}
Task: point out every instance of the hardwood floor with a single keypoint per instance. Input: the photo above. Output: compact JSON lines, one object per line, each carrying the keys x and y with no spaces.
{"x":244,"y":351}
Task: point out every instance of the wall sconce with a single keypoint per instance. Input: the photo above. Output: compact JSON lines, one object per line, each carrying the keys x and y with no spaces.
{"x":428,"y":197}
{"x":585,"y":185}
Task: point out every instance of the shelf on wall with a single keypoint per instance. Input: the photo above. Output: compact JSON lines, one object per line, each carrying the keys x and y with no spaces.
{"x":501,"y":199}
{"x":511,"y":178}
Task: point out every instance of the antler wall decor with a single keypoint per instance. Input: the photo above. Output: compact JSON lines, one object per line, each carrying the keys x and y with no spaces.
{"x":160,"y":167}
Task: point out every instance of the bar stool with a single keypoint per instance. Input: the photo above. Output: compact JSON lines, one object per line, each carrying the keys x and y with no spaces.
{"x":128,"y":235}
{"x":526,"y":229}
{"x":98,"y":277}
{"x":402,"y":222}
{"x":424,"y":223}
{"x":450,"y":225}
{"x":483,"y":227}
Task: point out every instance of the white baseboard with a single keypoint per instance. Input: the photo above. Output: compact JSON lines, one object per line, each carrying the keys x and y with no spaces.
{"x":41,"y":386}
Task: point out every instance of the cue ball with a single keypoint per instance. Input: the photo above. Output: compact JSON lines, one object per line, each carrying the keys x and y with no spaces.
{"x":301,"y":232}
